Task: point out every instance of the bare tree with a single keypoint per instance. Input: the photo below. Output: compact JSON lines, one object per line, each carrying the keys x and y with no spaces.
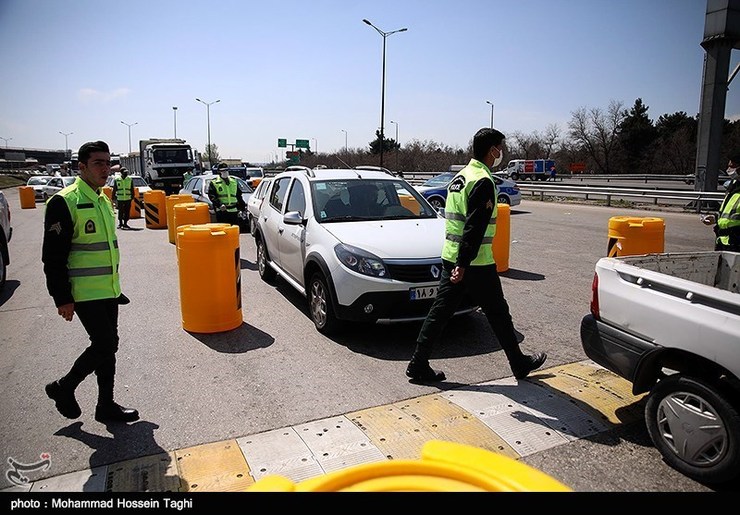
{"x":596,"y":132}
{"x":550,"y":140}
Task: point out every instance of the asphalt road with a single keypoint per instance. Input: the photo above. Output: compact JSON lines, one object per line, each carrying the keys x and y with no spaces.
{"x":276,"y":370}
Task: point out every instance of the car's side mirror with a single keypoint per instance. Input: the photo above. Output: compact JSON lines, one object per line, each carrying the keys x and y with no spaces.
{"x":196,"y":192}
{"x":293,"y":218}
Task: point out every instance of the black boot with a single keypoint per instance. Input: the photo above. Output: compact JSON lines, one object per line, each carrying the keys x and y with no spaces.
{"x":527,"y":364}
{"x":419,"y":370}
{"x":113,"y":412}
{"x":64,"y":399}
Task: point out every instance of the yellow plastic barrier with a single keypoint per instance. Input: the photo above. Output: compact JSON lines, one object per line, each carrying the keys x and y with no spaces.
{"x":108,"y":192}
{"x":410,"y":203}
{"x":444,"y":467}
{"x":135,"y":211}
{"x":210,"y":277}
{"x":170,"y":202}
{"x":27,"y":197}
{"x":629,"y":236}
{"x":190,"y":213}
{"x":502,"y":239}
{"x":155,"y":209}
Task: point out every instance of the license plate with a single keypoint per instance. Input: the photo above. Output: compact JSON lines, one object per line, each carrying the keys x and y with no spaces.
{"x":427,"y":292}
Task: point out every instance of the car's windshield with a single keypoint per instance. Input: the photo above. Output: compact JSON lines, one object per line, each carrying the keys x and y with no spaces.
{"x":440,"y":181}
{"x":367,"y":199}
{"x":36,"y":181}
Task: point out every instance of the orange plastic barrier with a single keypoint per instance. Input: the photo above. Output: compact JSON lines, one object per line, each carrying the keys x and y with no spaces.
{"x":155,"y":209}
{"x":170,"y":202}
{"x":502,"y":238}
{"x":210,"y":277}
{"x":629,"y":236}
{"x":190,"y":213}
{"x":27,"y":197}
{"x":108,"y":192}
{"x":135,"y":211}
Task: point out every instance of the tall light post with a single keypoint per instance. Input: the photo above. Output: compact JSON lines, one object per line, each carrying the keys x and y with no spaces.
{"x":382,"y":94}
{"x":129,"y":125}
{"x":316,"y":146}
{"x":6,"y":141}
{"x":489,"y":102}
{"x":398,"y":146}
{"x":208,"y":115}
{"x":174,"y":110}
{"x":345,"y":140}
{"x":66,"y":144}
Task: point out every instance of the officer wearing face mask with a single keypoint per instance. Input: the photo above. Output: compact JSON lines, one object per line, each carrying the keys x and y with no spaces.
{"x":226,"y":196}
{"x":468,"y":266}
{"x":727,"y":221}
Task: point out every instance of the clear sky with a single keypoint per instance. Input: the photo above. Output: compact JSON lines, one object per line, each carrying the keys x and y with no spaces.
{"x":312,"y":69}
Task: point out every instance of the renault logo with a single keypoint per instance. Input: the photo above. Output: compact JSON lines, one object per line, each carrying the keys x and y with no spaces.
{"x":435,"y":271}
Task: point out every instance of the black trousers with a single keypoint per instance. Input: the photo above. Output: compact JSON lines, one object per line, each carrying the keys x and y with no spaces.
{"x":124,"y":211}
{"x":482,"y":283}
{"x":100,"y":320}
{"x":226,"y":217}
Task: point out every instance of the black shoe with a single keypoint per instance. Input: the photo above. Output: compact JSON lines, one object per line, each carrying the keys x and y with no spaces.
{"x":64,"y":400}
{"x":126,"y":226}
{"x":423,"y":372}
{"x":528,"y":364}
{"x":115,"y":413}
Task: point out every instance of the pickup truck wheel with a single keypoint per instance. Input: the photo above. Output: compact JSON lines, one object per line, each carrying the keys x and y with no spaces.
{"x":320,"y":305}
{"x":266,"y":272}
{"x":695,"y":429}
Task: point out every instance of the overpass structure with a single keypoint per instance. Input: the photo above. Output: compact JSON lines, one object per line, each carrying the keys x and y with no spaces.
{"x":18,"y":158}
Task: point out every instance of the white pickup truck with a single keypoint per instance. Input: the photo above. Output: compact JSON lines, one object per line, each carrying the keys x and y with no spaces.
{"x":670,"y":324}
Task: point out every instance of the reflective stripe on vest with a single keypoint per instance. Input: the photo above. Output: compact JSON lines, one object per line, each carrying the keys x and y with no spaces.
{"x":123,"y":188}
{"x":456,"y":209}
{"x":226,"y":193}
{"x":729,"y":218}
{"x":94,"y":257}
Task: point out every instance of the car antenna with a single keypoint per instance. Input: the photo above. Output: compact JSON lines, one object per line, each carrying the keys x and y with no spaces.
{"x":345,"y":164}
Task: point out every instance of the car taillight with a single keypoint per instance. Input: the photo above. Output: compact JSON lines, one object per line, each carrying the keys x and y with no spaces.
{"x":595,"y":297}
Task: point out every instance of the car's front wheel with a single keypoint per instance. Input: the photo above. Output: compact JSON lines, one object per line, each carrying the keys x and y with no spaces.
{"x":320,"y":305}
{"x":503,"y":199}
{"x":437,"y":202}
{"x":695,"y":429}
{"x":266,"y":272}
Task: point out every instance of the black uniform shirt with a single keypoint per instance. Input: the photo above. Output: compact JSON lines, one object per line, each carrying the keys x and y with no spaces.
{"x":58,"y":232}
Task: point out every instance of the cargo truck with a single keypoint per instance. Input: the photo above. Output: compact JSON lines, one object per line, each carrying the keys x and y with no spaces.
{"x":670,"y":324}
{"x":534,"y":169}
{"x":162,"y":162}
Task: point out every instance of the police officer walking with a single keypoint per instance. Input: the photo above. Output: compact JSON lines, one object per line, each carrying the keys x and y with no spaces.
{"x":123,"y":192}
{"x":226,"y":196}
{"x":727,"y":221}
{"x":468,"y":266}
{"x":80,"y":256}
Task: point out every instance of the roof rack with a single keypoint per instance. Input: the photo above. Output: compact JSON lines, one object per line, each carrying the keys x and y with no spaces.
{"x":376,"y":169}
{"x":298,"y":168}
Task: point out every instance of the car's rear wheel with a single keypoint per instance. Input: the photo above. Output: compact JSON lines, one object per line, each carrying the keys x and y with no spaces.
{"x":437,"y":202}
{"x":266,"y":272}
{"x":320,"y":305}
{"x":504,"y":199}
{"x":695,"y":429}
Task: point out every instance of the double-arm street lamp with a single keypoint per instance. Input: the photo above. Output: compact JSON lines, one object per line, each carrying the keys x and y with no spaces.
{"x":6,"y":141}
{"x":382,"y":94}
{"x":208,"y":115}
{"x":345,"y":140}
{"x":129,"y":125}
{"x":66,"y":143}
{"x":489,"y":102}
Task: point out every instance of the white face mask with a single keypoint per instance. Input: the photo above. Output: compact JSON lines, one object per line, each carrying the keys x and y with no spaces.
{"x":225,"y":174}
{"x":497,"y":161}
{"x":732,"y":172}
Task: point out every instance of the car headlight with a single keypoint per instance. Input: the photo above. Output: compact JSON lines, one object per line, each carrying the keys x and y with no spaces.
{"x":360,"y":261}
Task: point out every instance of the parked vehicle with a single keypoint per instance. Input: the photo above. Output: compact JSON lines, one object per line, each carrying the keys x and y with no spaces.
{"x":344,"y":240}
{"x":255,"y":174}
{"x":533,"y":169}
{"x":6,"y":233}
{"x":255,"y":203}
{"x":670,"y":324}
{"x":162,"y":162}
{"x":55,"y":185}
{"x":137,"y":181}
{"x":435,"y":190}
{"x":198,"y":188}
{"x":37,"y":182}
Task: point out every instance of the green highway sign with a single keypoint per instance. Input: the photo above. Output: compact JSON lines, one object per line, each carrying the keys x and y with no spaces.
{"x":282,"y":143}
{"x":301,"y":143}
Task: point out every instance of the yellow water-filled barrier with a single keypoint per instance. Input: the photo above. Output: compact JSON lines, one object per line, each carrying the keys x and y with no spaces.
{"x":444,"y":467}
{"x":629,"y":236}
{"x":170,"y":202}
{"x":155,"y":209}
{"x":210,"y":277}
{"x":410,"y":203}
{"x":190,"y":213}
{"x":27,"y":197}
{"x":135,"y":210}
{"x":502,"y":239}
{"x":108,"y":190}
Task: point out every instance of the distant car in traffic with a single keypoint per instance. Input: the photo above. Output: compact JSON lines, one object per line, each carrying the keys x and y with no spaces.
{"x":139,"y":183}
{"x":255,"y":203}
{"x":198,"y":188}
{"x":55,"y":185}
{"x":435,"y":190}
{"x":37,"y":182}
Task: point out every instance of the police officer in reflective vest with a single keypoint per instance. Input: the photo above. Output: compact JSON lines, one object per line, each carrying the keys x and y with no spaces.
{"x":123,"y":192}
{"x":80,"y":256}
{"x":468,"y":264}
{"x":226,"y":196}
{"x":727,"y":227}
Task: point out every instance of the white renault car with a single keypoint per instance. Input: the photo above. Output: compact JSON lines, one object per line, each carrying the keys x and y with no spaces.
{"x":360,"y":244}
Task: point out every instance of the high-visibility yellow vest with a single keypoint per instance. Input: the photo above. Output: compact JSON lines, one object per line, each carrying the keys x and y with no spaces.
{"x":123,"y":188}
{"x":94,"y":257}
{"x":226,"y":193}
{"x":729,"y":217}
{"x":456,"y":209}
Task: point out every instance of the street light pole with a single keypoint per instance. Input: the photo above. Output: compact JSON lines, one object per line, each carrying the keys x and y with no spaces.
{"x":208,"y":115}
{"x":316,"y":147}
{"x":489,"y":102}
{"x":6,"y":141}
{"x":66,"y":144}
{"x":398,"y":146}
{"x":174,"y":110}
{"x":382,"y":94}
{"x":129,"y":125}
{"x":345,"y":140}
